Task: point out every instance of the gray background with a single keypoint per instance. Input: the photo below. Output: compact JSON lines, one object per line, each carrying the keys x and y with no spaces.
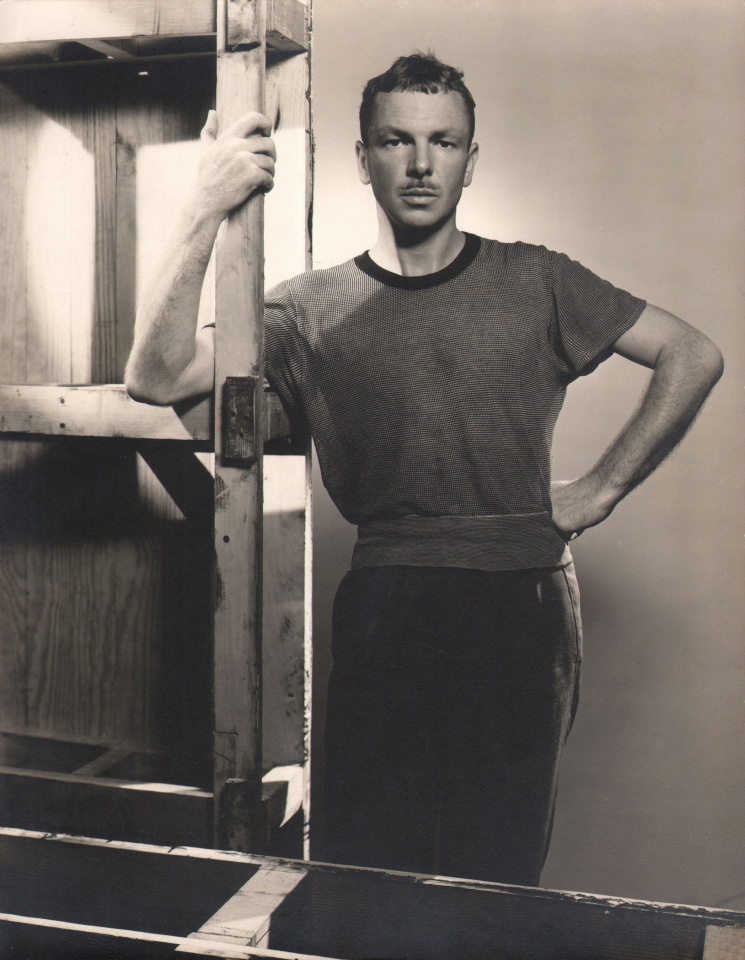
{"x":613,"y":131}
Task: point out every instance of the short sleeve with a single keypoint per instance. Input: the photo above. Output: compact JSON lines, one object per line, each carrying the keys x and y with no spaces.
{"x":284,"y":355}
{"x":590,"y":315}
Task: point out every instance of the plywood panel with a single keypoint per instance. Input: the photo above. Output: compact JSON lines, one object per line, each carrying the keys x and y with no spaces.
{"x":82,"y":646}
{"x":13,"y":642}
{"x":91,"y":638}
{"x":12,"y":248}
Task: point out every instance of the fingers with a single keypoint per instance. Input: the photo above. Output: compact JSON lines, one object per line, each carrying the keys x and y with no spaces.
{"x":262,"y":145}
{"x":209,"y":130}
{"x":264,"y":161}
{"x":249,"y":124}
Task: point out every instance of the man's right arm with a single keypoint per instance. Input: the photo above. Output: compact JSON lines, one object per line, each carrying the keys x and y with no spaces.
{"x":171,"y":359}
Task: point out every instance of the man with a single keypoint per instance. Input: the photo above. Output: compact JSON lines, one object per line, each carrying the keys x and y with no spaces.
{"x":431,"y":371}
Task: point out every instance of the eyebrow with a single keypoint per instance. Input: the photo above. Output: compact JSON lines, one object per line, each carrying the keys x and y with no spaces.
{"x":447,"y":132}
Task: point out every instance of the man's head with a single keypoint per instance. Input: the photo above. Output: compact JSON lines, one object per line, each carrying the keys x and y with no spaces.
{"x":418,"y":73}
{"x":417,"y":150}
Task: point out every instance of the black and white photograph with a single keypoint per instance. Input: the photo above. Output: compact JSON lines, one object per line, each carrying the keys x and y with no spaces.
{"x":372,"y":488}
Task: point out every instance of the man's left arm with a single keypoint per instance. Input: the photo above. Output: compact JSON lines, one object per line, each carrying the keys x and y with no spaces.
{"x":686,"y":366}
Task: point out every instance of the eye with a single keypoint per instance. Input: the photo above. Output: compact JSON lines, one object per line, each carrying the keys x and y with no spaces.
{"x":392,"y":142}
{"x":445,"y":143}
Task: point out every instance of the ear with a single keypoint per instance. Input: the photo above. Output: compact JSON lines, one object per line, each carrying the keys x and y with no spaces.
{"x":473,"y":155}
{"x":362,"y":170}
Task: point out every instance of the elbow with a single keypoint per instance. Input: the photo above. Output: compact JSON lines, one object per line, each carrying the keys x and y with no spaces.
{"x":145,"y":388}
{"x":711,"y":361}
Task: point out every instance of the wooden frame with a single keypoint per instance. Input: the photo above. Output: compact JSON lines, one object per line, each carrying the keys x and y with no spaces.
{"x":52,"y":22}
{"x":107,"y":412}
{"x":81,"y":895}
{"x":244,"y":33}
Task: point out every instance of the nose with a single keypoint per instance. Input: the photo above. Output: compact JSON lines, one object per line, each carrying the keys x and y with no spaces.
{"x":420,"y":161}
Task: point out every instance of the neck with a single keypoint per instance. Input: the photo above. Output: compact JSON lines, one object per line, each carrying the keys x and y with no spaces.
{"x":416,"y":253}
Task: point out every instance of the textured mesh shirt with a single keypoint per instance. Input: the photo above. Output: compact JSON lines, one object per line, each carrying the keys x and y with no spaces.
{"x":432,"y":400}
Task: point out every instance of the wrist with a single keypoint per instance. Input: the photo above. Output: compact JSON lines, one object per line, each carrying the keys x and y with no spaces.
{"x":201,"y":219}
{"x":602,"y":491}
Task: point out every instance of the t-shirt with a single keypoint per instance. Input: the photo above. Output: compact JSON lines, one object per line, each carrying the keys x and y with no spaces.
{"x":432,"y":400}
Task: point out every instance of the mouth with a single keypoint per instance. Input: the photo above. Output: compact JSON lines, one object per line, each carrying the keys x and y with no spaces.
{"x":418,"y":196}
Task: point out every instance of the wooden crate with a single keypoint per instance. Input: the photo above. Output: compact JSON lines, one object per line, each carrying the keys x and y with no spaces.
{"x":111,"y":624}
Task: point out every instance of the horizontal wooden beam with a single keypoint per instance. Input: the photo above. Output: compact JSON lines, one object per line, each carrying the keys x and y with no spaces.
{"x":23,"y":21}
{"x":331,"y":910}
{"x":99,"y":806}
{"x":40,"y":31}
{"x":85,"y":939}
{"x":108,"y":412}
{"x":287,"y":25}
{"x":88,"y":804}
{"x":95,"y":411}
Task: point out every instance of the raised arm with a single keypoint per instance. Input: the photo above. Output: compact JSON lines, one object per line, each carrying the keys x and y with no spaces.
{"x":171,"y":358}
{"x":686,"y":366}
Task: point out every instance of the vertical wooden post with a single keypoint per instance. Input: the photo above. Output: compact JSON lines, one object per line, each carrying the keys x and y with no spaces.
{"x":239,"y":298}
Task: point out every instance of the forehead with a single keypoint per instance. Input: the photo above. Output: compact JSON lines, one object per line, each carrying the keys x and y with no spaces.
{"x":409,"y":110}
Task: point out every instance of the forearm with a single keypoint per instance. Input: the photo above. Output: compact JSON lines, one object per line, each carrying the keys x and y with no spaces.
{"x":165,"y":344}
{"x":684,"y":374}
{"x":170,"y":358}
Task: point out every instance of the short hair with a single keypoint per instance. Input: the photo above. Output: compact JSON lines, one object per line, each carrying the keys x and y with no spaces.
{"x":419,"y":73}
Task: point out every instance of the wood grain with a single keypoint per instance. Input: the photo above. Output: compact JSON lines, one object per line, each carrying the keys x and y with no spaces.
{"x":93,"y":411}
{"x":13,"y":152}
{"x":37,"y":20}
{"x":326,"y":910}
{"x":246,"y":917}
{"x":90,"y":660}
{"x":287,"y":25}
{"x":287,"y":658}
{"x":239,"y":295}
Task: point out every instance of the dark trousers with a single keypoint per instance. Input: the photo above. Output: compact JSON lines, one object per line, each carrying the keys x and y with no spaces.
{"x":451,"y":696}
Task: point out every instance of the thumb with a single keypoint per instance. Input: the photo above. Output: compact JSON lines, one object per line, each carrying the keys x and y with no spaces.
{"x":209,"y":130}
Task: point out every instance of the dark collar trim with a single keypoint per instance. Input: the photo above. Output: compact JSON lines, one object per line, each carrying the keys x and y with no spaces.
{"x":466,"y":257}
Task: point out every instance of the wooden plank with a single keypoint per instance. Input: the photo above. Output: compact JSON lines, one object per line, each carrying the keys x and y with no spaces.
{"x":63,"y":739}
{"x":21,"y":936}
{"x":164,"y":890}
{"x":111,"y":51}
{"x":39,"y":20}
{"x":59,"y":236}
{"x":35,"y":937}
{"x":287,"y":26}
{"x":106,"y":807}
{"x":724,"y":943}
{"x":102,"y":763}
{"x":227,"y":949}
{"x":284,"y":599}
{"x":13,"y":361}
{"x":106,"y":411}
{"x":13,"y":156}
{"x":186,"y":479}
{"x":246,"y":917}
{"x":98,"y":134}
{"x":13,"y":647}
{"x":326,"y":910}
{"x":288,"y":653}
{"x":239,"y":295}
{"x":38,"y":753}
{"x":93,"y":411}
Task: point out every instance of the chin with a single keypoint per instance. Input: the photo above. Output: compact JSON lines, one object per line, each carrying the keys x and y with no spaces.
{"x":423,"y":219}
